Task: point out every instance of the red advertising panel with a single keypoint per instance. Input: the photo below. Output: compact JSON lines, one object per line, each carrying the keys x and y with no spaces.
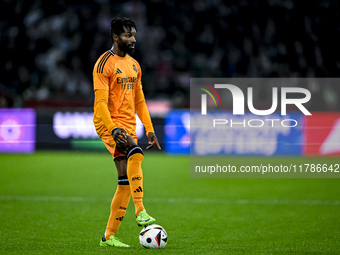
{"x":322,"y":134}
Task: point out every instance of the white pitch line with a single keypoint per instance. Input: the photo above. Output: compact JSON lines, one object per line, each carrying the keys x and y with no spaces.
{"x":175,"y":200}
{"x":51,"y":199}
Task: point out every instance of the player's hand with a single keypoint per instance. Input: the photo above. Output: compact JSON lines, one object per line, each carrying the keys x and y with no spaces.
{"x":119,"y":135}
{"x":152,"y":141}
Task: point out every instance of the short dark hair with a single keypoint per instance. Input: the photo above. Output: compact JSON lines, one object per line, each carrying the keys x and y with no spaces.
{"x":118,"y":23}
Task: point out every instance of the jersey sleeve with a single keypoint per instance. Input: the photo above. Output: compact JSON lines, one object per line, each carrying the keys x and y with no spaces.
{"x":102,"y":73}
{"x":143,"y":112}
{"x":101,"y":97}
{"x":139,"y":78}
{"x":101,"y":81}
{"x":141,"y":107}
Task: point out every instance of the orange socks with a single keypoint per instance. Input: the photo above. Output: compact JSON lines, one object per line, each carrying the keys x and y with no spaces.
{"x":119,"y":204}
{"x":132,"y":184}
{"x":135,"y":175}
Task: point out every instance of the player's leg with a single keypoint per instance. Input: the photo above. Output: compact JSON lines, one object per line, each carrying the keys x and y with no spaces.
{"x":121,"y":197}
{"x":120,"y":200}
{"x":134,"y":155}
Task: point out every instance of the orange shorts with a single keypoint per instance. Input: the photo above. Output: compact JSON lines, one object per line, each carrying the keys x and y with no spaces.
{"x":110,"y":144}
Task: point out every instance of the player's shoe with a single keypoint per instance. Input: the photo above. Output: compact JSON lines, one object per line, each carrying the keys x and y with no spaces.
{"x":144,"y":218}
{"x":112,"y":242}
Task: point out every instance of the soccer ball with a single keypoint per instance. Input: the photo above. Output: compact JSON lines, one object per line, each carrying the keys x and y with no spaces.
{"x":153,"y":237}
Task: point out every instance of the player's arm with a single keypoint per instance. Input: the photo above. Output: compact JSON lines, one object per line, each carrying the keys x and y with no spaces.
{"x":101,"y":90}
{"x":101,"y":97}
{"x":144,"y":115}
{"x":102,"y":100}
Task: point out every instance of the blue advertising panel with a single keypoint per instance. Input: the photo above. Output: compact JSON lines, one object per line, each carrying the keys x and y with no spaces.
{"x":224,"y":133}
{"x":248,"y":135}
{"x":291,"y":143}
{"x":177,"y":132}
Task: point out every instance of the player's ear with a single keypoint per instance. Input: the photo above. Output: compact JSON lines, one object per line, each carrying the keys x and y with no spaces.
{"x":115,"y":38}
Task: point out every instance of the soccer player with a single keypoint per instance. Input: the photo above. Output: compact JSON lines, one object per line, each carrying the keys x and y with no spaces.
{"x":118,"y":96}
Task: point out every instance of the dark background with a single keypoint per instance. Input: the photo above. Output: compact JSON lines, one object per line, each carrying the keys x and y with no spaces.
{"x":48,"y":48}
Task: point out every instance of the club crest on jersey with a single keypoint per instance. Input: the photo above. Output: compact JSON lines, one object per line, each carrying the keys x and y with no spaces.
{"x":134,"y":68}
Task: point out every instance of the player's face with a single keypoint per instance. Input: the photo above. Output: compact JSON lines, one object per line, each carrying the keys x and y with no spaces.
{"x":126,"y":40}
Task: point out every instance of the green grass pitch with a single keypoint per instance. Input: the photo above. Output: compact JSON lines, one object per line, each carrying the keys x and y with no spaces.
{"x":58,"y":203}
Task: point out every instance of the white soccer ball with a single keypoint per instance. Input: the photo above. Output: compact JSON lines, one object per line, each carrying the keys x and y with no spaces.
{"x":153,"y":237}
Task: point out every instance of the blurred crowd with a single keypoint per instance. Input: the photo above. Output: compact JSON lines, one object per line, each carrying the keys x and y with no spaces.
{"x":48,"y":48}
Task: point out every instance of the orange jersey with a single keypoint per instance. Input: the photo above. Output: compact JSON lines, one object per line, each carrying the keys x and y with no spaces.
{"x":118,"y":94}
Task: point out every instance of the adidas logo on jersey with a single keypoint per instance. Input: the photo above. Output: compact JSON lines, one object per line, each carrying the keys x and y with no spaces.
{"x":118,"y":71}
{"x":139,"y":189}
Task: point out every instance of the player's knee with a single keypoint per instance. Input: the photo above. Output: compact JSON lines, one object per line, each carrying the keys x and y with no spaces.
{"x":135,"y":149}
{"x":124,"y":147}
{"x":130,"y":141}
